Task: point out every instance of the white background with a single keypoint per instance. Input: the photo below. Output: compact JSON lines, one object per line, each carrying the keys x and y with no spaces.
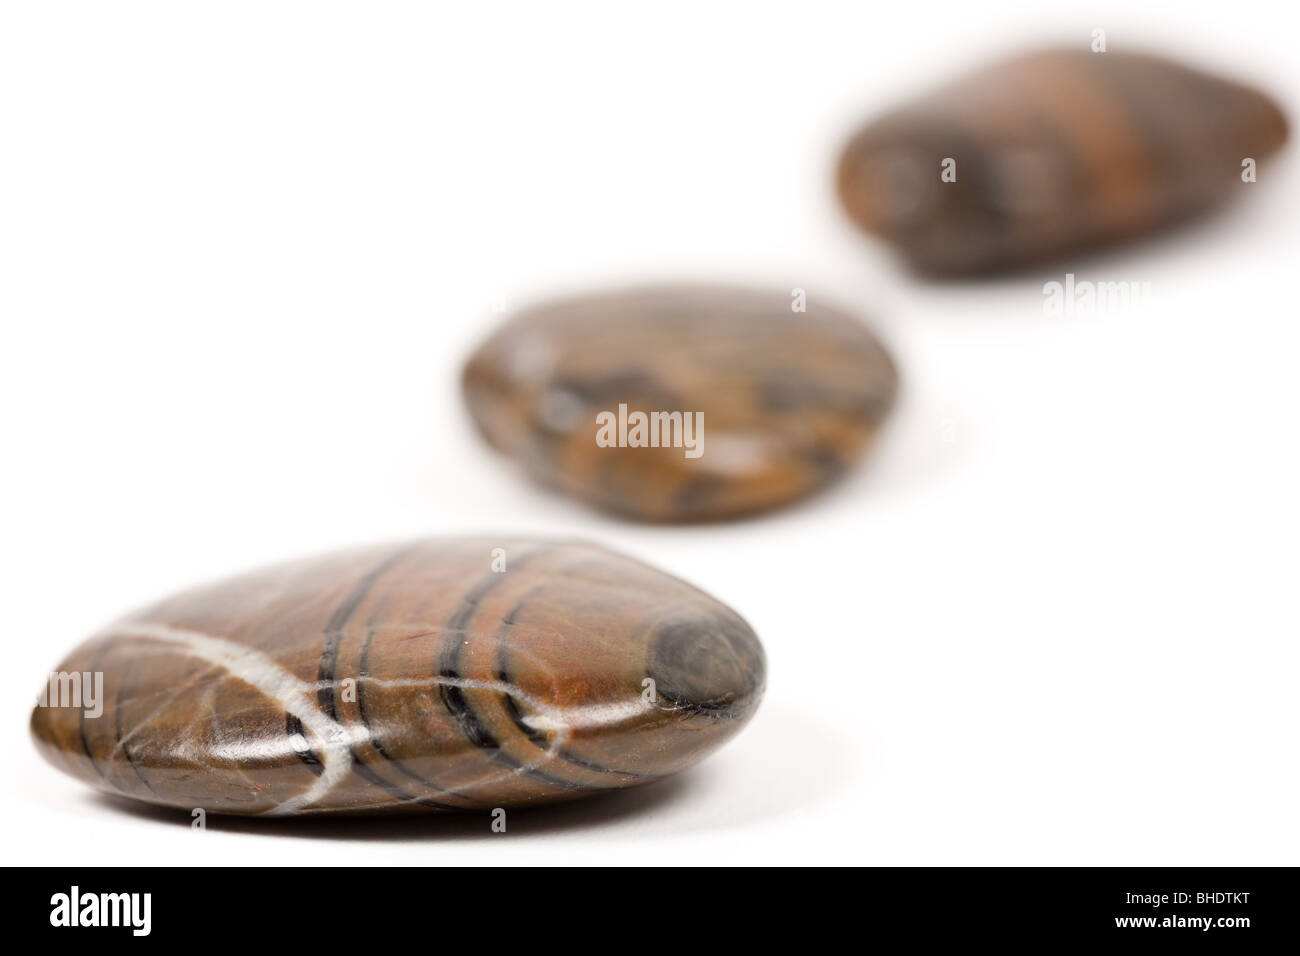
{"x":245,"y":247}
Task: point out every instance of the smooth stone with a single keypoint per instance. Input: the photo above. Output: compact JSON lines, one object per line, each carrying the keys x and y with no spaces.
{"x":1055,"y":152}
{"x":410,"y":677}
{"x":789,"y":398}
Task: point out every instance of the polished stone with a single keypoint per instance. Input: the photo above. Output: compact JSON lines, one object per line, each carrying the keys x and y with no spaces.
{"x":774,"y":403}
{"x":1051,"y":153}
{"x":439,"y":675}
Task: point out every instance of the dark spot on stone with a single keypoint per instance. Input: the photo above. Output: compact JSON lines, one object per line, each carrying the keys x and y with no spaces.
{"x":712,"y":666}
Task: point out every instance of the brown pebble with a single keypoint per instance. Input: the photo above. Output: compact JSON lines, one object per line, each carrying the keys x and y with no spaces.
{"x":1055,"y":151}
{"x":779,"y":402}
{"x":444,"y":674}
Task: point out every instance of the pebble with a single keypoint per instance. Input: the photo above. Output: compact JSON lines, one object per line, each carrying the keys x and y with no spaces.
{"x":1051,"y":153}
{"x":453,"y":674}
{"x":682,"y":403}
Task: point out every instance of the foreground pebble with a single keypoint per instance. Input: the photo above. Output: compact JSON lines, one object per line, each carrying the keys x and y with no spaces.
{"x":445,"y":674}
{"x":682,"y":403}
{"x":1053,"y":152}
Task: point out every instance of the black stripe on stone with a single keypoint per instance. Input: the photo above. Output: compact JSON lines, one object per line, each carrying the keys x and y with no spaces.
{"x":535,"y":736}
{"x":327,"y":671}
{"x":454,"y":699}
{"x":334,"y":629}
{"x":373,"y":738}
{"x":293,"y":728}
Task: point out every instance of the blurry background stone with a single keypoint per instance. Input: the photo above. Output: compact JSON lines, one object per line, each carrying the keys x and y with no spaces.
{"x":1052,"y":152}
{"x":752,"y":404}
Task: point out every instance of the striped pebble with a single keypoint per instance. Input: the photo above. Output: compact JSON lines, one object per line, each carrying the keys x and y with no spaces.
{"x":440,"y":675}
